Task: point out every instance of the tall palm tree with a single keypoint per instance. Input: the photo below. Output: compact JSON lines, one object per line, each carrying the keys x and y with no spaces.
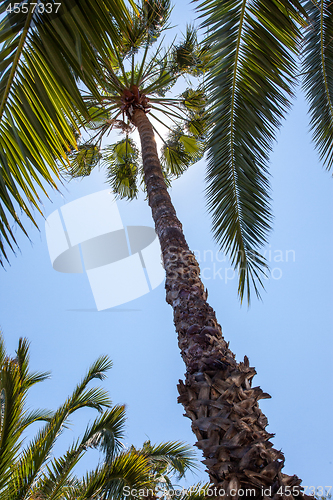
{"x":217,"y":395}
{"x":251,"y":45}
{"x":31,"y":473}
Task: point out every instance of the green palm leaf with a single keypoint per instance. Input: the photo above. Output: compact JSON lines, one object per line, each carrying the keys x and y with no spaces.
{"x":84,"y":160}
{"x":318,"y":75}
{"x":252,"y":46}
{"x":42,"y":56}
{"x":189,"y":56}
{"x":15,"y":380}
{"x":25,"y":473}
{"x":179,"y":151}
{"x":127,"y":469}
{"x":33,"y":473}
{"x":121,"y":161}
{"x":169,"y":457}
{"x":58,"y":471}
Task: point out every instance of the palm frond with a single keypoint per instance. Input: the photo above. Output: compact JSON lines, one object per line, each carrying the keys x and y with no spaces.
{"x":197,"y":125}
{"x":42,"y":56}
{"x":84,"y":160}
{"x":106,"y":432}
{"x":15,"y":380}
{"x":56,"y":478}
{"x":179,"y":151}
{"x":27,"y":378}
{"x":121,"y":161}
{"x":127,"y":469}
{"x":35,"y":416}
{"x":11,"y":401}
{"x":147,"y":22}
{"x":171,"y":457}
{"x":250,"y":86}
{"x":157,"y":14}
{"x":194,"y":100}
{"x":187,"y":56}
{"x":32,"y":472}
{"x":318,"y":75}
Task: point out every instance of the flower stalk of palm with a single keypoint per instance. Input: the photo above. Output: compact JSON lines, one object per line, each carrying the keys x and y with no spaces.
{"x":32,"y":473}
{"x":217,"y":394}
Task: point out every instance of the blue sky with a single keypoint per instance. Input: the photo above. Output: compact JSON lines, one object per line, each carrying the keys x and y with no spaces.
{"x":287,"y":336}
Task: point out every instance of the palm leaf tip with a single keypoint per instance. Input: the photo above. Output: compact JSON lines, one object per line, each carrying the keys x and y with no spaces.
{"x":318,"y":75}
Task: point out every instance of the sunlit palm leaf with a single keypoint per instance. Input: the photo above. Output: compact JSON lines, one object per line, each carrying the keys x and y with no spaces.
{"x":180,"y":151}
{"x":57,"y":474}
{"x":250,"y":85}
{"x":25,"y":472}
{"x":197,"y":125}
{"x":127,"y":469}
{"x":121,"y":161}
{"x":42,"y":55}
{"x":15,"y":380}
{"x":194,"y":100}
{"x":84,"y":160}
{"x":174,"y":457}
{"x":318,"y":75}
{"x":32,"y":472}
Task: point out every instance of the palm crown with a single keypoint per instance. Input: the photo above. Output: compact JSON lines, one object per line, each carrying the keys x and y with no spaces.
{"x":138,"y":75}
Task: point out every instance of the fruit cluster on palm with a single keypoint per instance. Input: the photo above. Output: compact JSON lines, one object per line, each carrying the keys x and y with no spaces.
{"x":247,"y":69}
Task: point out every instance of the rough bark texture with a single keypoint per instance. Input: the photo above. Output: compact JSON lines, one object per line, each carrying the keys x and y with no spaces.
{"x":217,"y":394}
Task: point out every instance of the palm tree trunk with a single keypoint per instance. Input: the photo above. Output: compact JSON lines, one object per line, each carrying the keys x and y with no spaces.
{"x":217,"y":394}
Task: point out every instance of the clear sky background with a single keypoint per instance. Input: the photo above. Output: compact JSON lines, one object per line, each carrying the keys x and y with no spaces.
{"x":287,"y":336}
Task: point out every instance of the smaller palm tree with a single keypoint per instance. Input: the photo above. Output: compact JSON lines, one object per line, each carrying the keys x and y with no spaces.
{"x":30,"y":472}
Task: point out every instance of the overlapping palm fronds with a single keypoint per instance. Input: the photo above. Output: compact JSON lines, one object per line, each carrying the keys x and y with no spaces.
{"x":121,"y":161}
{"x":30,"y":470}
{"x":248,"y":57}
{"x":141,"y":74}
